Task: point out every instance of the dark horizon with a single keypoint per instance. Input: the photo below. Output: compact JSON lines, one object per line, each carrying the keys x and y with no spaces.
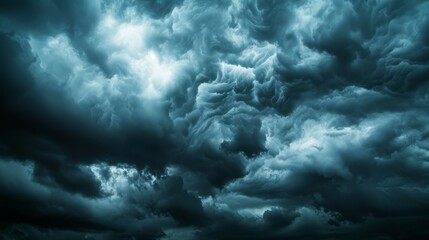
{"x":214,"y":119}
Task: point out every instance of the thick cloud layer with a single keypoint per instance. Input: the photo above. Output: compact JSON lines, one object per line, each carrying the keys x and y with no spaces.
{"x":214,"y":119}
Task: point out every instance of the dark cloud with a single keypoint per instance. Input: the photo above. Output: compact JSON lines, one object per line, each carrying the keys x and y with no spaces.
{"x":157,"y":9}
{"x":214,"y":120}
{"x":72,"y":178}
{"x":247,"y":139}
{"x":25,"y":202}
{"x":174,"y":200}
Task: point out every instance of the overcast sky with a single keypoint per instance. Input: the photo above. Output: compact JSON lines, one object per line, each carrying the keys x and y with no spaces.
{"x":214,"y":119}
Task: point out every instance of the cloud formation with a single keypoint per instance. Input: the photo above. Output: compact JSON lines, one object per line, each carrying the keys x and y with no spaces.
{"x":214,"y":120}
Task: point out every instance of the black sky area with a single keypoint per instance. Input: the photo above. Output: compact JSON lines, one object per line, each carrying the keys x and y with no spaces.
{"x":214,"y":119}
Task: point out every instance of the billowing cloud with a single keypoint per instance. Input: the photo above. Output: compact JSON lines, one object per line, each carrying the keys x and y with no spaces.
{"x":214,"y":120}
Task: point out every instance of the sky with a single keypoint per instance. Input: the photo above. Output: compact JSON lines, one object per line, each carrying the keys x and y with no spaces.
{"x":206,"y":120}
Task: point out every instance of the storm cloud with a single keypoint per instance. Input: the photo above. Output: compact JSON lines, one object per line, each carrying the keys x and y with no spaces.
{"x":214,"y":119}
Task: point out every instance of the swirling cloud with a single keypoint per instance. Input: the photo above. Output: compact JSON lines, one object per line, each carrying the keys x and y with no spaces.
{"x":214,"y":120}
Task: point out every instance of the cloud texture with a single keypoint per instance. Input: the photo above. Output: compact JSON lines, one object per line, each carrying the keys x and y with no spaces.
{"x":214,"y":119}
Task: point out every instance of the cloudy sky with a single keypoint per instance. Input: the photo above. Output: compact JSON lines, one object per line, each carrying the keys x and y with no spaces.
{"x":214,"y":119}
